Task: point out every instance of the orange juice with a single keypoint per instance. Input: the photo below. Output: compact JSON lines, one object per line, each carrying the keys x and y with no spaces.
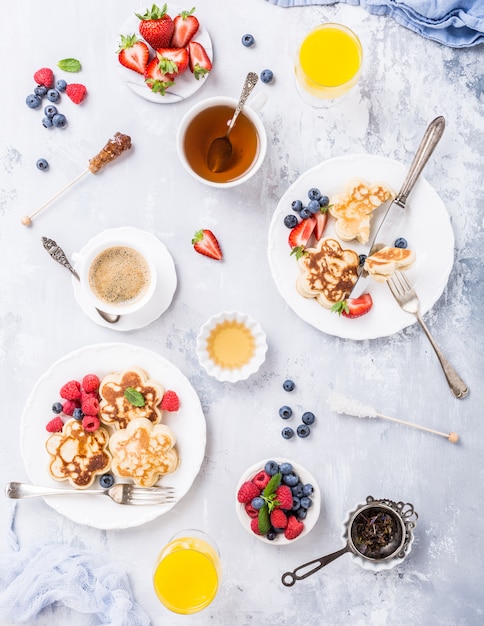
{"x":186,"y":576}
{"x":329,"y":61}
{"x":231,"y":345}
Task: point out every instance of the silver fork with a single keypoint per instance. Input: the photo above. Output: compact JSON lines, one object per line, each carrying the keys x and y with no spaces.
{"x":121,"y":493}
{"x":405,"y":295}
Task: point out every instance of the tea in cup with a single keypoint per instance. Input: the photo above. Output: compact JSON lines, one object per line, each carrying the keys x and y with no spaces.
{"x":187,"y":572}
{"x":209,"y":120}
{"x":328,"y":64}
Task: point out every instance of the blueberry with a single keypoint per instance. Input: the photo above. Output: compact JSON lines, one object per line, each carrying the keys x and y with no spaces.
{"x":296,"y":503}
{"x":296,"y":205}
{"x":77,"y":414}
{"x":50,"y":110}
{"x":305,"y":213}
{"x":266,"y":76}
{"x":52,"y":95}
{"x":287,"y":432}
{"x":47,"y":122}
{"x":288,"y":385}
{"x":308,"y":418}
{"x":271,"y":535}
{"x":401,"y":243}
{"x":290,"y":221}
{"x":285,"y":412}
{"x":308,"y":489}
{"x":313,"y":207}
{"x":106,"y":481}
{"x":314,"y":194}
{"x":297,"y":490}
{"x":40,"y":90}
{"x":60,"y":84}
{"x":33,"y":101}
{"x":362,"y":258}
{"x":323,"y":201}
{"x":57,"y":407}
{"x":285,"y":468}
{"x":271,"y":468}
{"x":306,"y":502}
{"x":248,"y":40}
{"x":303,"y":431}
{"x":291,"y":480}
{"x":257,"y":503}
{"x":42,"y":164}
{"x":301,"y":513}
{"x":59,"y":120}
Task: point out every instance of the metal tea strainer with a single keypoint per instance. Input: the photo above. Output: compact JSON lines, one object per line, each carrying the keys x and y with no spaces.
{"x":376,"y":532}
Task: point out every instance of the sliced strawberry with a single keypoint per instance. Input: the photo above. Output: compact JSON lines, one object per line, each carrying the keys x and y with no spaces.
{"x":186,"y":25}
{"x":200,"y":64}
{"x":156,"y":27}
{"x":172,"y":61}
{"x":354,"y":307}
{"x":205,"y":242}
{"x":321,"y":221}
{"x":300,"y":234}
{"x":133,"y":53}
{"x":155,"y":79}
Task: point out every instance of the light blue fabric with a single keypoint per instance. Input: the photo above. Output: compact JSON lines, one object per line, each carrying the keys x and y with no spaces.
{"x":455,"y":23}
{"x":81,"y":580}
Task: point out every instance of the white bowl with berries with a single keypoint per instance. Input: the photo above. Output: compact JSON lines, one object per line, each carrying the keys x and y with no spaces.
{"x":278,"y":501}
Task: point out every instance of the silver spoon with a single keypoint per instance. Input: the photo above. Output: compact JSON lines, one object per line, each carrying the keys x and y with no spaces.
{"x":220,"y":150}
{"x":58,"y":254}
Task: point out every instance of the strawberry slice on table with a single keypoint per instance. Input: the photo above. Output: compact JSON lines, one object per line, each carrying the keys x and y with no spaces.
{"x":186,"y":25}
{"x":300,"y":235}
{"x":156,"y":26}
{"x":199,"y":61}
{"x":157,"y":80}
{"x":133,"y":53}
{"x":173,"y":61}
{"x":205,"y":242}
{"x":354,"y":307}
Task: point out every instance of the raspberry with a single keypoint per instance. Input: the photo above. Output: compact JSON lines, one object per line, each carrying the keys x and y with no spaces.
{"x":294,"y":528}
{"x":90,"y":406}
{"x":261,"y":479}
{"x":278,"y":518}
{"x":170,"y":401}
{"x":76,"y":92}
{"x":254,"y":524}
{"x":90,"y":383}
{"x":45,"y":77}
{"x":251,"y":512}
{"x":69,"y":406}
{"x":55,"y":425}
{"x":90,"y":423}
{"x":284,"y":495}
{"x":71,"y":390}
{"x":247,"y":492}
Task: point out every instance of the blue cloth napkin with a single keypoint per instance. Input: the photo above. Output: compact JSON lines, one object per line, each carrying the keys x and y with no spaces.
{"x":454,"y":23}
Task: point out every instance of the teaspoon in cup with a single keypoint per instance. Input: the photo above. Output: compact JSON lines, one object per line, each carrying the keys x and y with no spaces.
{"x":58,"y":255}
{"x":220,"y":150}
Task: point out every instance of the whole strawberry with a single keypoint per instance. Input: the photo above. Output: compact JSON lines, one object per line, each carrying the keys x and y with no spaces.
{"x":156,"y":27}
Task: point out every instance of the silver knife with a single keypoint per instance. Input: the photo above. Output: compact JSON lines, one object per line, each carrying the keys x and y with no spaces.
{"x":390,"y":223}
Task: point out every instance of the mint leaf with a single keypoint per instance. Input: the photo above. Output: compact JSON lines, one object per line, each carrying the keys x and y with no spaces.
{"x":264,"y":520}
{"x":273,"y":484}
{"x":69,"y":65}
{"x":134,"y":397}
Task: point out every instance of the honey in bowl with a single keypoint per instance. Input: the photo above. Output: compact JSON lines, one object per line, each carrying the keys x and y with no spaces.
{"x":212,"y":123}
{"x":231,"y":345}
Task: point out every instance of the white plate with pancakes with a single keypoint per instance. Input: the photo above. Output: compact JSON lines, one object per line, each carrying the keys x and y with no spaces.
{"x":187,"y":424}
{"x":426,"y":228}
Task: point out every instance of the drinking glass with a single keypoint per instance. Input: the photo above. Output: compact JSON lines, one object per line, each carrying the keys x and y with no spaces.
{"x":187,"y":572}
{"x":328,"y":64}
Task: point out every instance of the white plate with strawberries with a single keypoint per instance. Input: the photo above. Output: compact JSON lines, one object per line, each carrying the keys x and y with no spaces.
{"x":187,"y":424}
{"x":426,"y":228}
{"x":185,"y":54}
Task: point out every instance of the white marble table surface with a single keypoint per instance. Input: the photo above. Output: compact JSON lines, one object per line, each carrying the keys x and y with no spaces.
{"x":406,"y":82}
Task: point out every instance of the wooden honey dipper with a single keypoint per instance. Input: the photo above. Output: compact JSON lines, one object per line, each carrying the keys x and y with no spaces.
{"x":114,"y":147}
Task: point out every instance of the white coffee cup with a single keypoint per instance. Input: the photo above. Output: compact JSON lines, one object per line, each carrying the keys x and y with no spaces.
{"x":194,"y":155}
{"x":116,"y":276}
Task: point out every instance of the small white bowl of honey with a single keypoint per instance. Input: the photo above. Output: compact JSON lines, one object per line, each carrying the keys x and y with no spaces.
{"x":231,"y":346}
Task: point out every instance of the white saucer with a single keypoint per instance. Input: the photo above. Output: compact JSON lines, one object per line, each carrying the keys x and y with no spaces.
{"x":165,"y":286}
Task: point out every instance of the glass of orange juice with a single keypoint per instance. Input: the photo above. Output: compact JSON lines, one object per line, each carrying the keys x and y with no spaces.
{"x":328,"y":64}
{"x":187,"y":572}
